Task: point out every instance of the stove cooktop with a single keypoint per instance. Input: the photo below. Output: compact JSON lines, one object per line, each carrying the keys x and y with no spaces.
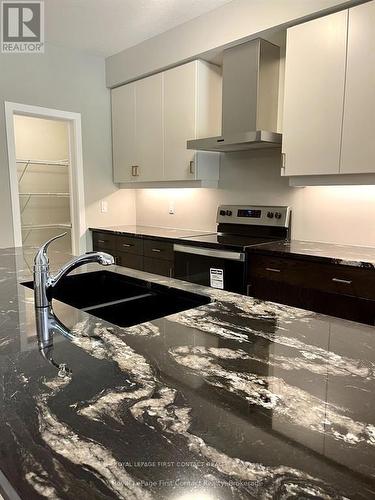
{"x":228,"y":241}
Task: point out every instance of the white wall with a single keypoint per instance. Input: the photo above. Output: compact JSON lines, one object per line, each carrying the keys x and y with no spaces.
{"x":236,"y":21}
{"x":338,"y":214}
{"x":70,"y":81}
{"x":41,"y":139}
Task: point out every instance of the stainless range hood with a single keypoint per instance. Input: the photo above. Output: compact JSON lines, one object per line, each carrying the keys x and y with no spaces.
{"x":250,"y":100}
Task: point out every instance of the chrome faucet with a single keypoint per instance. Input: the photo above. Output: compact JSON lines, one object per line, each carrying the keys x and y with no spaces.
{"x":44,"y":282}
{"x":47,"y":324}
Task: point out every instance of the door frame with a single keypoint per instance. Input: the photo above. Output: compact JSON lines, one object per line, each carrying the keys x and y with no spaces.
{"x":77,"y":198}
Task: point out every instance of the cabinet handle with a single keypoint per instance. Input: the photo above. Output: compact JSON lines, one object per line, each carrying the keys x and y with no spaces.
{"x":127,"y":245}
{"x":102,"y":241}
{"x":344,"y":282}
{"x":155,"y":250}
{"x":192,"y":167}
{"x":273,"y":270}
{"x":135,"y":171}
{"x":283,"y":163}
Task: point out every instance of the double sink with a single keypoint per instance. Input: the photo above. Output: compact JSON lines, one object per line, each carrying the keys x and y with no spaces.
{"x":122,"y":300}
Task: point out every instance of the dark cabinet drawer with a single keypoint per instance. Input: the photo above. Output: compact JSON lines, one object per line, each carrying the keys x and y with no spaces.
{"x":341,"y":306}
{"x":332,"y":278}
{"x":130,"y":260}
{"x":129,"y":244}
{"x":157,"y":249}
{"x":103,"y":241}
{"x":158,"y":266}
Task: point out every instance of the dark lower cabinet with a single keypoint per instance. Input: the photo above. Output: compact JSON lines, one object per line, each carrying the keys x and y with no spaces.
{"x":158,"y":266}
{"x":130,"y":260}
{"x":150,"y":255}
{"x":342,"y":291}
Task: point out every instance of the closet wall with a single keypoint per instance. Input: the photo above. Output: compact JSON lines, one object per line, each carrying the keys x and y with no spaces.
{"x":42,"y":151}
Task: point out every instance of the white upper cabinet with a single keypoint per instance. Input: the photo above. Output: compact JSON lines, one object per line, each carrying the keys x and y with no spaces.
{"x":137,"y":131}
{"x":179,"y":121}
{"x":329,"y":106}
{"x":123,"y":132}
{"x":314,"y":90}
{"x":192,"y":109}
{"x":154,"y":117}
{"x":149,"y":128}
{"x":358,"y":140}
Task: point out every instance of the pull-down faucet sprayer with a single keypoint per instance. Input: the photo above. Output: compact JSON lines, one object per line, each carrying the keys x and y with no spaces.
{"x":44,"y":282}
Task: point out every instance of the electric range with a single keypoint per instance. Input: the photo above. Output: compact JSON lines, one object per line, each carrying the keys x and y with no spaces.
{"x":219,"y":259}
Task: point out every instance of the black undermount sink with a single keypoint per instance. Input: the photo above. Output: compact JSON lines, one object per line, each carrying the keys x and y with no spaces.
{"x":122,"y":300}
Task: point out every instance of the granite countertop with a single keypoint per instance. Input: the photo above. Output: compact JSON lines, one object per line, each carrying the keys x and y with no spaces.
{"x":347,"y":255}
{"x":150,"y":231}
{"x":237,"y":399}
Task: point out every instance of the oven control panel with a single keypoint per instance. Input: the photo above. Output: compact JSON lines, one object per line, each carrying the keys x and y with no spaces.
{"x":254,"y":215}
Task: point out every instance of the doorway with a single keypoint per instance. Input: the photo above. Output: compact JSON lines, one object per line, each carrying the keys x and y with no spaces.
{"x":46,"y":177}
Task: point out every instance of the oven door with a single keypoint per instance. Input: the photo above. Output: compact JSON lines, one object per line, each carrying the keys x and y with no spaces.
{"x":223,"y":269}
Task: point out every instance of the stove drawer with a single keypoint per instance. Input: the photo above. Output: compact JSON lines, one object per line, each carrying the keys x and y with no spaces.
{"x":344,"y":280}
{"x":200,"y":265}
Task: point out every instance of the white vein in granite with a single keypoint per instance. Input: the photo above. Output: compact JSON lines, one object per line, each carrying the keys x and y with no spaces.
{"x":106,"y":345}
{"x":143,"y":330}
{"x":264,"y":482}
{"x":287,"y":402}
{"x":85,"y":453}
{"x":318,"y":360}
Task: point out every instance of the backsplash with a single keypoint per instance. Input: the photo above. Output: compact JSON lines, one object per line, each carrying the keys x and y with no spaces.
{"x":335,"y":214}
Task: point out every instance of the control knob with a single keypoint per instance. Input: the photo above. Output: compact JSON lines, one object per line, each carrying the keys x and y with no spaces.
{"x":222,"y":212}
{"x":270,"y":215}
{"x":229,"y":212}
{"x":277,"y":215}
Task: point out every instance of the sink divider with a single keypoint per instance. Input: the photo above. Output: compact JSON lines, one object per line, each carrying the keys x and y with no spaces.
{"x":114,"y":302}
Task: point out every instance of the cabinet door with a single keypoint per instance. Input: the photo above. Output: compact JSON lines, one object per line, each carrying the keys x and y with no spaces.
{"x":314,"y":94}
{"x":123,"y":132}
{"x":358,"y":141}
{"x":180,"y":87}
{"x":158,"y":266}
{"x":149,"y":128}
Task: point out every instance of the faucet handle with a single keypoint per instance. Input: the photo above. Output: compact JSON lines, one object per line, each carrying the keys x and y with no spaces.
{"x":41,"y":258}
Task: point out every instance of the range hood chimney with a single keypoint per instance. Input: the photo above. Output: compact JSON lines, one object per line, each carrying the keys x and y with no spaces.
{"x":250,"y":99}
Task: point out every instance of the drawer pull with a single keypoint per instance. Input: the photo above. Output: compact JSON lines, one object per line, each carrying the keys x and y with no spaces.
{"x":102,"y":241}
{"x":344,"y":282}
{"x":273,"y":270}
{"x":127,"y":245}
{"x":156,"y":250}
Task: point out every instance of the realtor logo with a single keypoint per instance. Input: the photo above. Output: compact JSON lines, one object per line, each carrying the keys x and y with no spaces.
{"x":22,"y":27}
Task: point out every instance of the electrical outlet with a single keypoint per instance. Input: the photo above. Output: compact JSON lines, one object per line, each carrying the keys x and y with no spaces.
{"x":104,"y":206}
{"x":171,"y":208}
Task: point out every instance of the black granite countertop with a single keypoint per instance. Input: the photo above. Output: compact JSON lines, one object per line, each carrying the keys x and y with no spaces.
{"x":347,"y":255}
{"x":150,"y":231}
{"x":237,"y":399}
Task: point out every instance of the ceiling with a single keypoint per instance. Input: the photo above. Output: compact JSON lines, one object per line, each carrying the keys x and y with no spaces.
{"x":105,"y":27}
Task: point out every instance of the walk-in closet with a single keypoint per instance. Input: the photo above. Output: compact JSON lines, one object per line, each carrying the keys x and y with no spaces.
{"x":42,"y":159}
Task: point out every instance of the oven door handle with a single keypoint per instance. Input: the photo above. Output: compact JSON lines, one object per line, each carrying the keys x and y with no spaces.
{"x":209,"y":252}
